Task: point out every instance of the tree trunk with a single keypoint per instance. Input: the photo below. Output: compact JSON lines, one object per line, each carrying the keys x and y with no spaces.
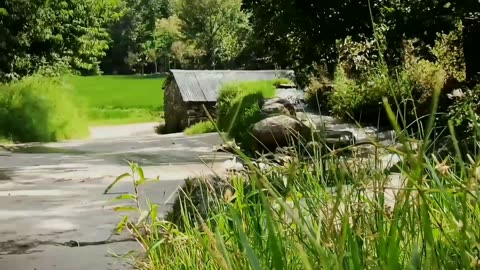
{"x":156,"y":67}
{"x":471,"y":44}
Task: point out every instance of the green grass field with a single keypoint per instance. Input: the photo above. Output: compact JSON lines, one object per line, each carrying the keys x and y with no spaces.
{"x":120,"y":99}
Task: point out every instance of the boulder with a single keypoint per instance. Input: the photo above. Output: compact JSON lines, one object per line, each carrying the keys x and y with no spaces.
{"x":194,"y":200}
{"x":278,"y":106}
{"x":294,"y":96}
{"x":279,"y":131}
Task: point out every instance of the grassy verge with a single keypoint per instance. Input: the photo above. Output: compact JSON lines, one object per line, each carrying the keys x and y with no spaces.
{"x":120,"y":99}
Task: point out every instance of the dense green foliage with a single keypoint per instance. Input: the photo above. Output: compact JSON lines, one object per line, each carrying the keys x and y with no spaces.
{"x":299,"y":35}
{"x":40,"y":109}
{"x":409,"y":90}
{"x":154,"y":35}
{"x":217,"y":28}
{"x":239,"y":106}
{"x":42,"y":33}
{"x":120,"y":99}
{"x":230,"y":92}
{"x":134,"y":43}
{"x":201,"y":128}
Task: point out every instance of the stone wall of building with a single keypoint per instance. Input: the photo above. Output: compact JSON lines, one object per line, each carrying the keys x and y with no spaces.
{"x":175,"y":108}
{"x":196,"y":112}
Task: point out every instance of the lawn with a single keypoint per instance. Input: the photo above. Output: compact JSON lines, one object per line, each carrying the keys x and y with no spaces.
{"x":119,"y":99}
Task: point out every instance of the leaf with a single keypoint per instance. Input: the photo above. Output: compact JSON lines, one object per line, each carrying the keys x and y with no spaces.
{"x":125,"y":208}
{"x":115,"y":182}
{"x":125,"y":197}
{"x":140,"y":173}
{"x":121,"y":225}
{"x":3,"y":12}
{"x":143,"y":215}
{"x":250,"y":253}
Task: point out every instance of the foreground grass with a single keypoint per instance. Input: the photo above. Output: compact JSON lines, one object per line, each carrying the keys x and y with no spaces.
{"x":321,"y":213}
{"x":120,"y":99}
{"x":287,"y":218}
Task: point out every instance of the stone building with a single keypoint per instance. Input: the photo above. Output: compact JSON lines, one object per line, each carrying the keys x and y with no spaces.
{"x":187,"y":92}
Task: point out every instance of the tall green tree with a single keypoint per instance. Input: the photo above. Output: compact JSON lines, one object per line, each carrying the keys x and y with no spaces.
{"x":299,"y":34}
{"x":167,"y":32}
{"x":218,"y":28}
{"x":44,"y":32}
{"x":133,"y":34}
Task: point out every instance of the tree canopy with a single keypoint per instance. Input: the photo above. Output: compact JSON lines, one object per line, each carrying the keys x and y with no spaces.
{"x":43,"y":32}
{"x":126,"y":36}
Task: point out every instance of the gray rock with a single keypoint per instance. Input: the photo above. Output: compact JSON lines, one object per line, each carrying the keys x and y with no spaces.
{"x":277,"y":106}
{"x":294,"y":96}
{"x":197,"y":198}
{"x":279,"y":131}
{"x":275,"y":109}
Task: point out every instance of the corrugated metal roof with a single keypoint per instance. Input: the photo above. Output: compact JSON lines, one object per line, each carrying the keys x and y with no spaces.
{"x":204,"y":85}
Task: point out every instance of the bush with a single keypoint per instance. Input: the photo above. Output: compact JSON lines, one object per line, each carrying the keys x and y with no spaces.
{"x":201,"y":128}
{"x":239,"y":106}
{"x":319,"y":89}
{"x":409,"y":89}
{"x":246,"y":110}
{"x":40,"y":109}
{"x":362,"y":99}
{"x":465,"y":111}
{"x":231,"y":91}
{"x":448,"y":50}
{"x":224,"y":103}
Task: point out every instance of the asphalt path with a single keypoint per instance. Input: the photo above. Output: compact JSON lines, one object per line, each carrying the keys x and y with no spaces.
{"x":53,"y":193}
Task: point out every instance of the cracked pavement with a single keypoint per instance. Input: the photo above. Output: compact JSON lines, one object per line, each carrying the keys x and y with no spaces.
{"x":52,"y":193}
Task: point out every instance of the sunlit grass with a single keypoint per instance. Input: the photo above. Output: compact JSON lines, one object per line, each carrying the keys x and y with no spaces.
{"x":120,"y":99}
{"x":201,"y":128}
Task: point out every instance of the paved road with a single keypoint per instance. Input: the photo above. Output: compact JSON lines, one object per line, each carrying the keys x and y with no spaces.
{"x":53,"y":193}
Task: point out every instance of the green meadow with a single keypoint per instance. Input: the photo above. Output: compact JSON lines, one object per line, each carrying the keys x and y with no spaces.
{"x":120,"y":99}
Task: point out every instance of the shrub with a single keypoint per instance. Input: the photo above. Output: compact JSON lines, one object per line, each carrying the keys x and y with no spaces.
{"x":239,"y":106}
{"x":231,"y":91}
{"x":319,"y":89}
{"x":448,"y":50}
{"x":361,"y":99}
{"x":409,"y":89}
{"x":201,"y":128}
{"x":40,"y":109}
{"x":227,"y":94}
{"x":465,"y":111}
{"x":245,"y":111}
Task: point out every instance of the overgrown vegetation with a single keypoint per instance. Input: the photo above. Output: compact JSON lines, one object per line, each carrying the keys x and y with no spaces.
{"x":363,"y":79}
{"x":42,"y":109}
{"x":201,"y":128}
{"x":239,"y":106}
{"x":286,"y":217}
